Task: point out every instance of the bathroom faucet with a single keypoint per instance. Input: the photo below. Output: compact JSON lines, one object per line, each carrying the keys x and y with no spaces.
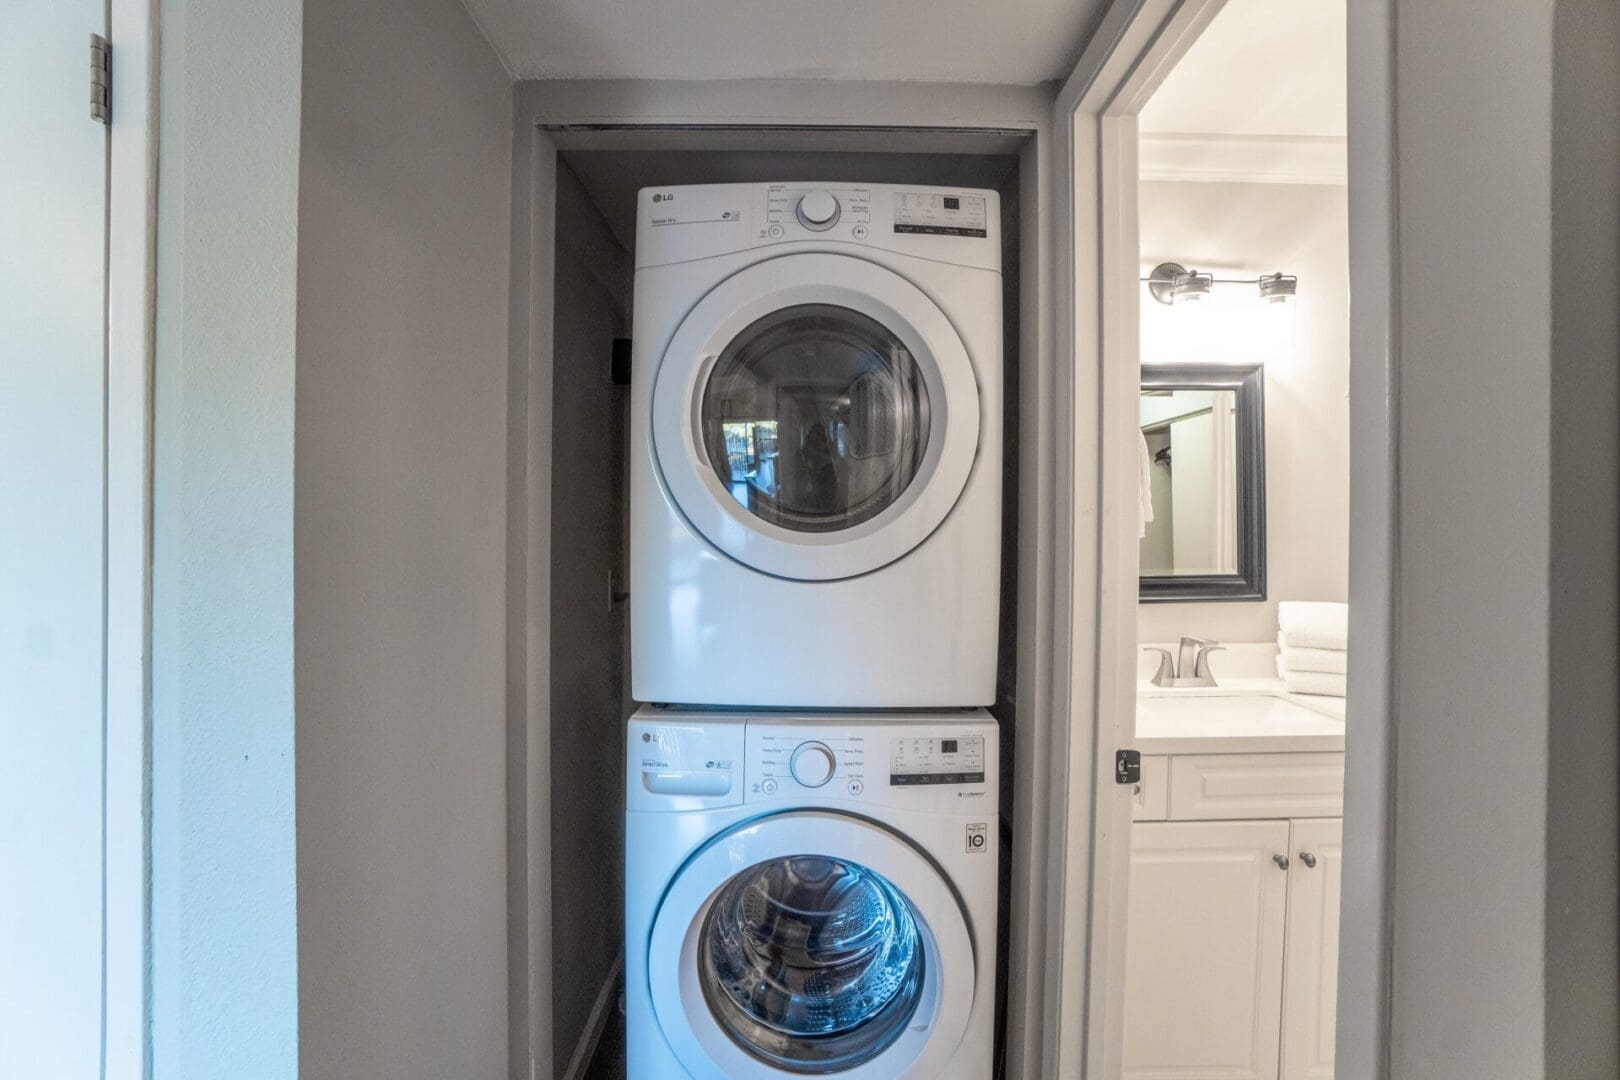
{"x":1190,"y":667}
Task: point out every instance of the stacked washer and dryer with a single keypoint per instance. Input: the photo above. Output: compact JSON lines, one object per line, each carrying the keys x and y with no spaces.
{"x":811,"y":842}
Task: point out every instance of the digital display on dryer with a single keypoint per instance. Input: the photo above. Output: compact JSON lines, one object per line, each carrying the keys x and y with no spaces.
{"x":927,"y":213}
{"x":933,"y":760}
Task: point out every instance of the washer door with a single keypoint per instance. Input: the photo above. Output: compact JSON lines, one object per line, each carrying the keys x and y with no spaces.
{"x":811,"y":943}
{"x":815,"y":416}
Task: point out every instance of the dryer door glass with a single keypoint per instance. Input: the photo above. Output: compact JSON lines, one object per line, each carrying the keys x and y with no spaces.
{"x":811,"y":964}
{"x":815,"y":417}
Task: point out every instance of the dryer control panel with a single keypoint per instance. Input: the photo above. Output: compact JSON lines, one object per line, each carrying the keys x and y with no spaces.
{"x":681,"y":224}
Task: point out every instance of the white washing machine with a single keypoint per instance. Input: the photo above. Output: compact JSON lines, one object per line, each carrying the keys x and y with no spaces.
{"x":810,"y":895}
{"x":816,"y":446}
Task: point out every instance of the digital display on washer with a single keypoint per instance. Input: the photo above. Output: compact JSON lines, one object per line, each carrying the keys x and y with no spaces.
{"x":933,"y":760}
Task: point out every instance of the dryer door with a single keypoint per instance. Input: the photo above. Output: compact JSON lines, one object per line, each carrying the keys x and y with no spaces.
{"x":815,"y":416}
{"x":812,"y":943}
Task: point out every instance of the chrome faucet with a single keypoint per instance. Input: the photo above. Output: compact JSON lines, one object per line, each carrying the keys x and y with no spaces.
{"x":1192,"y":657}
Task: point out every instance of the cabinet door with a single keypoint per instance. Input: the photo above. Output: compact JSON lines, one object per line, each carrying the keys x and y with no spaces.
{"x":1204,"y":950}
{"x":1311,"y":971}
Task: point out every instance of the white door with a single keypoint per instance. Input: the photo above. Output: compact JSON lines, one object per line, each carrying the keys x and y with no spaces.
{"x":53,"y":206}
{"x":1310,"y":979}
{"x":1203,"y":981}
{"x":811,"y":942}
{"x":815,"y":416}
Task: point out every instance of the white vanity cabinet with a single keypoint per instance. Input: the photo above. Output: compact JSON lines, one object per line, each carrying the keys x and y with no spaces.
{"x":1232,"y":940}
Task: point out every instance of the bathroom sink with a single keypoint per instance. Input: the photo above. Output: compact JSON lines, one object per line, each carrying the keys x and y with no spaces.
{"x":1232,"y":721}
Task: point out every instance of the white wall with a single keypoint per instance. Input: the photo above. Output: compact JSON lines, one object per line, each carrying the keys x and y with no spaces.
{"x":404,"y":233}
{"x":224,"y":966}
{"x":53,"y":196}
{"x":1242,"y":230}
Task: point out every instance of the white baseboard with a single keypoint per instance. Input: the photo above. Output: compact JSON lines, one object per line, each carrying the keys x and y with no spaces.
{"x":596,"y":1024}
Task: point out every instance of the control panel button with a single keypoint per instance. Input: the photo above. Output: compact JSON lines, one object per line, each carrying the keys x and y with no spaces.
{"x":858,"y":232}
{"x":812,"y":764}
{"x":768,"y":786}
{"x":775,"y":232}
{"x":818,"y":210}
{"x":856,"y":787}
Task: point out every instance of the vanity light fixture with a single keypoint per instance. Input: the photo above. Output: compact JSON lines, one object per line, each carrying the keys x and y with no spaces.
{"x":1276,"y":288}
{"x":1172,"y":283}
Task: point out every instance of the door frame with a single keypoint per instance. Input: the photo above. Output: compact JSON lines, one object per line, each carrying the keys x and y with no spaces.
{"x":132,"y":27}
{"x":1094,"y":317}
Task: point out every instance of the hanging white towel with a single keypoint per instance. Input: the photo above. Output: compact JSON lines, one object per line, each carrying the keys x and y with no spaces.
{"x":1144,"y":485}
{"x":1305,"y":624}
{"x":1322,"y":683}
{"x":1332,"y":661}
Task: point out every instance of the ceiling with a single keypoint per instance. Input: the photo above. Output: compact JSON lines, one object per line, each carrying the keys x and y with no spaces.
{"x":1263,"y":67}
{"x":1020,"y":42}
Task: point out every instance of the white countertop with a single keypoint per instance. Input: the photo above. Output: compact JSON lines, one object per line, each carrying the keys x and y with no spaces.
{"x":1240,"y":716}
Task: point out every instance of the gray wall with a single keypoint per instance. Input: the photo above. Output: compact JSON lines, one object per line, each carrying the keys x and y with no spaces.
{"x":223,"y":917}
{"x":1499,"y":333}
{"x":404,"y":233}
{"x":589,"y":634}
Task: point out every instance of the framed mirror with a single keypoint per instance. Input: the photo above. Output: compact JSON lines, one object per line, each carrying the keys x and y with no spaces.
{"x":1203,"y":472}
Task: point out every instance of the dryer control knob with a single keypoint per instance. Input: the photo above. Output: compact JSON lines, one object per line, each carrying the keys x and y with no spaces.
{"x":813,"y":764}
{"x":818,"y":209}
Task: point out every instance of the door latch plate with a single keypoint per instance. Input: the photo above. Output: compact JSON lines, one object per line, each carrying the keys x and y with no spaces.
{"x":1128,"y":767}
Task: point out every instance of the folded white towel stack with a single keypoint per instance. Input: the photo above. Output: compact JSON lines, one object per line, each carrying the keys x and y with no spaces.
{"x":1313,"y":625}
{"x":1312,"y":643}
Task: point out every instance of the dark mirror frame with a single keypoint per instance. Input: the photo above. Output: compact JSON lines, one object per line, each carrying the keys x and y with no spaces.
{"x":1248,"y":381}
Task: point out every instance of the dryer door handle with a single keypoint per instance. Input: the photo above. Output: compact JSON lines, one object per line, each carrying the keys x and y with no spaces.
{"x":704,"y":783}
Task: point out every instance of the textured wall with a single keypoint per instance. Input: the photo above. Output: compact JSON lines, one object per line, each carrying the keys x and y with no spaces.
{"x":224,"y":981}
{"x":404,"y":233}
{"x":1484,"y":194}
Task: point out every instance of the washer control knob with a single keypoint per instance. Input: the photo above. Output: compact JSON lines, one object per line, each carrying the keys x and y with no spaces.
{"x":812,"y":764}
{"x":818,"y":210}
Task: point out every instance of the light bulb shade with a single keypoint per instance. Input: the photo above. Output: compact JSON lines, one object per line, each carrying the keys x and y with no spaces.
{"x":1276,"y":288}
{"x":1191,"y":285}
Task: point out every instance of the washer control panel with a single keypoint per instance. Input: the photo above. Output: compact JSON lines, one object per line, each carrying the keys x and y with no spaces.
{"x":936,"y":759}
{"x":787,"y":761}
{"x":699,"y":759}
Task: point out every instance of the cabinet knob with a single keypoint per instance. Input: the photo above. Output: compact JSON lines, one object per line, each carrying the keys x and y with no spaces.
{"x":1281,"y":861}
{"x":1308,"y":859}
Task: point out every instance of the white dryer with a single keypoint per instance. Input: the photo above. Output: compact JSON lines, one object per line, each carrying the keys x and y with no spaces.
{"x":816,"y":446}
{"x":810,"y":895}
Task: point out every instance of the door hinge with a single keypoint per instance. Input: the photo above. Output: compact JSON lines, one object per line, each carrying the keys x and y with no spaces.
{"x":1127,"y":766}
{"x":100,"y":80}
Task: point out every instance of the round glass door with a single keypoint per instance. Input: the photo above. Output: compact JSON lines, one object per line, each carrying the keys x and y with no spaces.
{"x":811,"y":964}
{"x":815,"y":418}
